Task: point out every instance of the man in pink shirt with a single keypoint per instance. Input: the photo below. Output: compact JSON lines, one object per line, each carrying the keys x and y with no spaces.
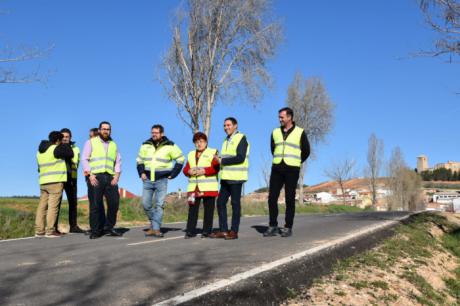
{"x":102,"y":166}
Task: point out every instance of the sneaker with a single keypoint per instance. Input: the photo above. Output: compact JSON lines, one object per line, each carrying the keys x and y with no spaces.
{"x":39,"y":235}
{"x":205,"y":235}
{"x":53,"y":235}
{"x":154,"y":233}
{"x":286,"y":232}
{"x":271,"y":231}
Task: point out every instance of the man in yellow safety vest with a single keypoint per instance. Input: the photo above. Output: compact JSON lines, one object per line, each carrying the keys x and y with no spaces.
{"x":52,"y":170}
{"x":290,"y":148}
{"x":158,"y":161}
{"x":102,"y":165}
{"x":70,"y":186}
{"x":233,"y":174}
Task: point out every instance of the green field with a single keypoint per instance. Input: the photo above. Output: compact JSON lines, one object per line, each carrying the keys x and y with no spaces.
{"x":17,"y":215}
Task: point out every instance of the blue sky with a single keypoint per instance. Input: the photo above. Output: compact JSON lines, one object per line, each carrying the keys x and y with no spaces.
{"x":106,"y":53}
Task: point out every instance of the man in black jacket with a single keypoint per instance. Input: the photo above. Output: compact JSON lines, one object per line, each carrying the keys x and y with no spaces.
{"x":70,"y":187}
{"x":158,"y":161}
{"x":51,"y":183}
{"x":290,"y":148}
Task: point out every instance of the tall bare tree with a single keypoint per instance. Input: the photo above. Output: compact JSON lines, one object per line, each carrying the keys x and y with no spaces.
{"x":13,"y":58}
{"x":313,"y":111}
{"x":405,"y":184}
{"x":374,"y":163}
{"x":341,"y":172}
{"x":219,"y":50}
{"x":444,"y":17}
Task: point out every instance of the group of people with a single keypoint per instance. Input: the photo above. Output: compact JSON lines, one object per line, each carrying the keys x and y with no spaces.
{"x":160,"y":160}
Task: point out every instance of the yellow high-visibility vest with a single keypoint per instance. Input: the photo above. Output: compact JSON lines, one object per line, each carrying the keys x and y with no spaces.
{"x":204,"y":183}
{"x":289,"y":149}
{"x":51,"y":169}
{"x":238,"y":172}
{"x":75,"y":161}
{"x":101,"y":160}
{"x":159,"y":159}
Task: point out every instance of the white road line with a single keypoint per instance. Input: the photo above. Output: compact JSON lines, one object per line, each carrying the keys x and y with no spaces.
{"x":15,"y":239}
{"x":153,"y":241}
{"x":250,"y":273}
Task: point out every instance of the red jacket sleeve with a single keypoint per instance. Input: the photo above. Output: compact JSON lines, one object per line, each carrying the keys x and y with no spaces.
{"x":214,"y":169}
{"x":186,"y":168}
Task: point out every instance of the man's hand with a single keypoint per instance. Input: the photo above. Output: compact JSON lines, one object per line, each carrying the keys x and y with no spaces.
{"x":200,"y":172}
{"x":144,"y":177}
{"x":93,"y":180}
{"x":192,"y":172}
{"x":114,"y":180}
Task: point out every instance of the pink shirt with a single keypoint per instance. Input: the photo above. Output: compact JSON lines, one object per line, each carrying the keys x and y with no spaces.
{"x":87,"y":149}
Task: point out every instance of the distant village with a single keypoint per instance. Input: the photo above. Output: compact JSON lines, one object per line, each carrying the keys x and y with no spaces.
{"x":444,"y":197}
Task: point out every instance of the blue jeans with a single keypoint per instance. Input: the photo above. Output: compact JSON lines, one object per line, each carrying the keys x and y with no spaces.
{"x":232,"y":191}
{"x":159,"y":189}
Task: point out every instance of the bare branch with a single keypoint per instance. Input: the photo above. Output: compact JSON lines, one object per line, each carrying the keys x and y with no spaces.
{"x":224,"y":53}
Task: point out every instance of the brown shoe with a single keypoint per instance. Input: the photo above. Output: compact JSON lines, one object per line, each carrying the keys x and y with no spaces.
{"x":231,"y":235}
{"x":154,"y":233}
{"x":218,"y":235}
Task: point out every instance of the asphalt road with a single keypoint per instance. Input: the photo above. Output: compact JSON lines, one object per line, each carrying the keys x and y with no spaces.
{"x":138,"y":270}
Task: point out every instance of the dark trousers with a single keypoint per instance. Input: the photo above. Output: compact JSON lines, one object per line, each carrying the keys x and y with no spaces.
{"x":70,"y":188}
{"x":232,"y":191}
{"x":289,"y":178}
{"x":208,"y":206}
{"x":98,"y":220}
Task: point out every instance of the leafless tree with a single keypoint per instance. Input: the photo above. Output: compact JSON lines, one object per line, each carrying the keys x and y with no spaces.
{"x":341,"y":172}
{"x":444,"y":17}
{"x":313,"y":111}
{"x":219,"y":51}
{"x":405,"y":184}
{"x":12,"y":58}
{"x":265,"y":168}
{"x":374,"y":163}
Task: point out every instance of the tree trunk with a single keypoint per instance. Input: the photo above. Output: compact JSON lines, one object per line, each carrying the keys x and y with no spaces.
{"x":303,"y":167}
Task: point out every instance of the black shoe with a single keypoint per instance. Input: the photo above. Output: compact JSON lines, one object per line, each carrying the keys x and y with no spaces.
{"x":271,"y":231}
{"x":205,"y":235}
{"x":189,"y":235}
{"x":95,"y":235}
{"x":76,"y":230}
{"x":286,"y":232}
{"x":112,"y":232}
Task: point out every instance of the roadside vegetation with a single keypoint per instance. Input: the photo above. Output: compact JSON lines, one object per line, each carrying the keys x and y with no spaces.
{"x":17,"y":215}
{"x":419,"y":265}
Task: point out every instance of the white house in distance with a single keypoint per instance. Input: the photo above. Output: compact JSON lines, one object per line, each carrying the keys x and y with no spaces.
{"x":324,"y":197}
{"x":445,"y":197}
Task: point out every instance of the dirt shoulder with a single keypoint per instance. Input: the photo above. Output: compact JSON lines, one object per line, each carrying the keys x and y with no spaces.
{"x":420,"y":265}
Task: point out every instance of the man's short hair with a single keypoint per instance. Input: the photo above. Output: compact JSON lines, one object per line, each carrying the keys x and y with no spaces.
{"x":95,"y":131}
{"x":158,"y":126}
{"x":104,"y":122}
{"x":232,"y":119}
{"x":288,"y":111}
{"x":55,"y":136}
{"x":66,"y":130}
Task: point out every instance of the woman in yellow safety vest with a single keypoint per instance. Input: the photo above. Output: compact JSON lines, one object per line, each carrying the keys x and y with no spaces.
{"x":202,"y":168}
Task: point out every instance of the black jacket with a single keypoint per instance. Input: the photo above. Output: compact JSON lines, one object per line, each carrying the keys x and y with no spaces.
{"x":160,"y":174}
{"x":62,"y":151}
{"x":241,"y":152}
{"x":304,"y":147}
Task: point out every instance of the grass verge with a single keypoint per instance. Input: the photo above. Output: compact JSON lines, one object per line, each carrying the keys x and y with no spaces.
{"x":419,"y":265}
